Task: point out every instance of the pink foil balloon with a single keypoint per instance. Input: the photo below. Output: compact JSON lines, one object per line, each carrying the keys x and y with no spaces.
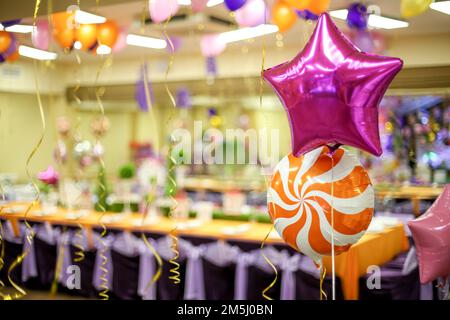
{"x":212,"y":45}
{"x":331,"y":91}
{"x":41,"y":35}
{"x":161,"y":10}
{"x":251,"y":14}
{"x":431,"y":233}
{"x":198,"y":5}
{"x":121,"y":41}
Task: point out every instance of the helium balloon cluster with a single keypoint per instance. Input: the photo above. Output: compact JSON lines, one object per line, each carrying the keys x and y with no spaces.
{"x":320,"y":194}
{"x":67,"y":32}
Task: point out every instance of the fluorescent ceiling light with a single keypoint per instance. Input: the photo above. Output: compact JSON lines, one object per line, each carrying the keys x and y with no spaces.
{"x":184,"y":2}
{"x":103,"y":49}
{"x":146,"y":42}
{"x":19,"y":28}
{"x":339,"y":14}
{"x":213,"y":3}
{"x":374,"y":21}
{"x":441,"y":6}
{"x":248,"y":33}
{"x":83,"y":17}
{"x":36,"y":53}
{"x":381,"y":22}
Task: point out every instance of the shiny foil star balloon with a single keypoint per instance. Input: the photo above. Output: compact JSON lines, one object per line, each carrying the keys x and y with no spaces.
{"x":331,"y":91}
{"x":431,"y":233}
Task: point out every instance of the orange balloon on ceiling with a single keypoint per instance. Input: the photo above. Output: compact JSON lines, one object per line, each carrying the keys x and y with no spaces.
{"x":318,"y":6}
{"x":298,"y":4}
{"x":283,"y":16}
{"x":5,"y":41}
{"x":65,"y":37}
{"x":107,"y":33}
{"x":87,"y":35}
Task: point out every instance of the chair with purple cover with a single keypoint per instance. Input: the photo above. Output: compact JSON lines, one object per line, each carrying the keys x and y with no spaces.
{"x":13,"y":247}
{"x":132,"y":268}
{"x":254,"y":273}
{"x":395,"y":283}
{"x":301,"y":280}
{"x":210,"y":271}
{"x":166,"y":289}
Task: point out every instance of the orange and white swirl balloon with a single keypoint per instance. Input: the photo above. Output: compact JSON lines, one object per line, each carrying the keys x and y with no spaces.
{"x":300,"y":200}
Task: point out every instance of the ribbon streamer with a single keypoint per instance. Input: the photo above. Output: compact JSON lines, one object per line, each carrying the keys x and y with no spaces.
{"x":59,"y":264}
{"x":323,"y":274}
{"x":175,"y":277}
{"x":158,"y":272}
{"x":79,"y":244}
{"x":30,"y":233}
{"x":265,"y":296}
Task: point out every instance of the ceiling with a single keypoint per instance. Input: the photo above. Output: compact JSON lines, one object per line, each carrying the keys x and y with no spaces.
{"x":190,"y":26}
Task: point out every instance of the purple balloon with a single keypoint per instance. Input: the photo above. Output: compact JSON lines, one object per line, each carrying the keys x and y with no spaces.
{"x":2,"y":58}
{"x":141,"y":95}
{"x":331,"y":91}
{"x":212,"y":112}
{"x":233,"y":5}
{"x":357,"y":16}
{"x":10,"y":23}
{"x":363,"y":40}
{"x":211,"y":66}
{"x":307,"y":15}
{"x":176,"y":44}
{"x":184,"y":98}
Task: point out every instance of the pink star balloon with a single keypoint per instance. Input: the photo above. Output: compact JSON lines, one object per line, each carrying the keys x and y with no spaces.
{"x":431,"y":233}
{"x":331,"y":91}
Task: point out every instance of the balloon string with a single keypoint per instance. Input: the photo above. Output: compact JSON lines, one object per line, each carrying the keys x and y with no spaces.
{"x":30,"y":232}
{"x":261,"y":88}
{"x":333,"y":270}
{"x":323,"y":274}
{"x":79,"y":244}
{"x":271,"y":265}
{"x":103,"y":294}
{"x":175,"y":274}
{"x":158,"y":272}
{"x":175,"y":277}
{"x":59,"y":263}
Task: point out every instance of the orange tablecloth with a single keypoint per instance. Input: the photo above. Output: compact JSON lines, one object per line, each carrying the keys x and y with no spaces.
{"x":372,"y":249}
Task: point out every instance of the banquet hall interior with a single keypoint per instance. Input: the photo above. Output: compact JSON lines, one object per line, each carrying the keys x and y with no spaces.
{"x":225,"y":150}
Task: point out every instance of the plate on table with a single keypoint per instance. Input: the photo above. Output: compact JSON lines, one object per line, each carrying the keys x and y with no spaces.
{"x":137,"y":222}
{"x":15,"y":209}
{"x":75,"y":215}
{"x":45,"y":212}
{"x":235,"y":230}
{"x":189,"y":224}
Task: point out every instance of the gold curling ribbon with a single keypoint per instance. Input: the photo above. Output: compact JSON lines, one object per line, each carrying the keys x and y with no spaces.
{"x":79,"y":244}
{"x":158,"y":272}
{"x":323,"y":274}
{"x":30,"y":233}
{"x":261,"y":87}
{"x":59,"y":264}
{"x":264,"y":292}
{"x":175,"y":277}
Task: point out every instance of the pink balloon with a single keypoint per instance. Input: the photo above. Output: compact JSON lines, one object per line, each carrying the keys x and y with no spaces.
{"x":121,"y":41}
{"x":198,"y":5}
{"x":161,"y":10}
{"x":251,"y":14}
{"x":431,"y":233}
{"x":41,"y":35}
{"x":212,"y":45}
{"x":331,"y":91}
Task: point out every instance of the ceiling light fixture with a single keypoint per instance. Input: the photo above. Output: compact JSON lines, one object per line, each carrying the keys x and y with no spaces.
{"x":213,"y":3}
{"x":83,"y":17}
{"x":441,"y":6}
{"x":146,"y":42}
{"x":36,"y":53}
{"x":374,"y":21}
{"x":184,"y":2}
{"x":248,"y":33}
{"x":19,"y":28}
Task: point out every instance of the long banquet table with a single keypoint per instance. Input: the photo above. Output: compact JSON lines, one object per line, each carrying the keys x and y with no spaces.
{"x":373,"y":249}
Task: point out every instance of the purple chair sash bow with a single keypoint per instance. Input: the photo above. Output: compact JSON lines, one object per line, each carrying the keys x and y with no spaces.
{"x":288,"y":280}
